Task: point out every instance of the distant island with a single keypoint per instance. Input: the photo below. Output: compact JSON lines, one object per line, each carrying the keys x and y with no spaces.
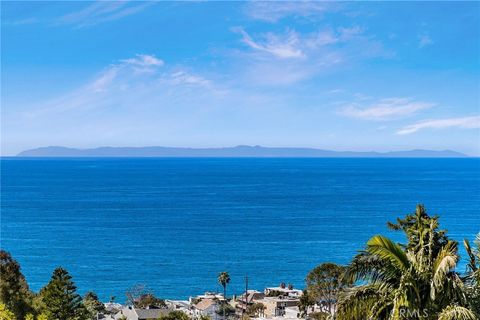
{"x":238,"y":151}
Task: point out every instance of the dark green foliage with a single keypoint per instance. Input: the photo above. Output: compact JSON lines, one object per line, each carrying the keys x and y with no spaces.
{"x":6,"y":314}
{"x":140,"y":297}
{"x":413,"y":281}
{"x":318,"y":316}
{"x":324,"y":283}
{"x":414,"y":226}
{"x":223,"y":280}
{"x":306,"y":301}
{"x":225,"y":309}
{"x":175,"y":315}
{"x":473,"y":266}
{"x":255,"y":310}
{"x":60,"y":298}
{"x":92,"y":305}
{"x":134,"y":293}
{"x":472,"y":278}
{"x":149,"y":300}
{"x":14,"y":291}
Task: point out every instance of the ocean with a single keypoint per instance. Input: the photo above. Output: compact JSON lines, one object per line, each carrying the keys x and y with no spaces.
{"x":173,"y":224}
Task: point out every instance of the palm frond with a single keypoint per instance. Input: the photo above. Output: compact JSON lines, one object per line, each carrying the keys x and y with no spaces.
{"x":356,"y":303}
{"x":444,"y":263}
{"x":454,"y":312}
{"x":388,"y":250}
{"x":368,"y":267}
{"x":472,"y":264}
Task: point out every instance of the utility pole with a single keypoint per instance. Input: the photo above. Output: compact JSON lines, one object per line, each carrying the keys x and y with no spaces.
{"x":246,"y":295}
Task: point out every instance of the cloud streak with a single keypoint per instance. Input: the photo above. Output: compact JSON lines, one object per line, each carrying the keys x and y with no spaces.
{"x":100,"y":12}
{"x":472,"y":122}
{"x":292,"y":44}
{"x":286,"y":46}
{"x":288,"y":57}
{"x":385,"y":109}
{"x":273,"y":11}
{"x":140,"y":78}
{"x":424,"y":40}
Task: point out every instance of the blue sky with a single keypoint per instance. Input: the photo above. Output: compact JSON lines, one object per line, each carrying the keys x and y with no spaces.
{"x":341,"y":76}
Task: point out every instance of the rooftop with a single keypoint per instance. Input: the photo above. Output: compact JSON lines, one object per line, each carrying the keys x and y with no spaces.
{"x":151,"y":313}
{"x":205,"y":304}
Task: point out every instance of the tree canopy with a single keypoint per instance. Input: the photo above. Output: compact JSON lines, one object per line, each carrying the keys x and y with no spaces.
{"x":92,"y":304}
{"x":324,"y":282}
{"x":60,"y":298}
{"x":416,"y":280}
{"x":175,"y":315}
{"x":14,"y":292}
{"x":149,"y":300}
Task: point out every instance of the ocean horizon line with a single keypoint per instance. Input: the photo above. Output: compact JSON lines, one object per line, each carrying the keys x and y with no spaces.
{"x":239,"y":151}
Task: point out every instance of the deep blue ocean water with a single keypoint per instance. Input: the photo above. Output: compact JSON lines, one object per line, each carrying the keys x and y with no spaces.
{"x":174,"y":224}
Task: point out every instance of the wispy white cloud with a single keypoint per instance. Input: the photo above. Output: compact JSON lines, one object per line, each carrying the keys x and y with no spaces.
{"x":183,"y":77}
{"x":21,"y":22}
{"x":288,"y":57}
{"x":100,"y":12}
{"x":384,"y":109}
{"x":424,"y":40}
{"x":274,"y":73}
{"x":143,"y":60}
{"x":272,"y":11}
{"x":96,"y":9}
{"x":333,"y":91}
{"x":322,"y":38}
{"x":104,"y":79}
{"x":142,"y":77}
{"x":93,"y":14}
{"x":291,"y":44}
{"x":280,"y":46}
{"x":141,"y":63}
{"x":347,"y":33}
{"x":472,"y":122}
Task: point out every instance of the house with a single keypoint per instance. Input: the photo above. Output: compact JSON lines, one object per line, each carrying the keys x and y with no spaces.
{"x":206,"y":307}
{"x":112,"y":307}
{"x":207,"y":295}
{"x":132,"y":313}
{"x":277,"y":306}
{"x":284,"y":291}
{"x":242,"y":303}
{"x":179,"y":305}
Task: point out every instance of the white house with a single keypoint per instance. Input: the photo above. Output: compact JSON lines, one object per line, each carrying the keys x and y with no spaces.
{"x":206,"y":307}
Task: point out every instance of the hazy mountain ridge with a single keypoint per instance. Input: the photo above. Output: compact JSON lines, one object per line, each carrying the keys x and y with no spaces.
{"x":238,"y":151}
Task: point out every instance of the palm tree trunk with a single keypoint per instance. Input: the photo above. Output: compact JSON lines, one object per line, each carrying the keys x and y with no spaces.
{"x":225,"y":299}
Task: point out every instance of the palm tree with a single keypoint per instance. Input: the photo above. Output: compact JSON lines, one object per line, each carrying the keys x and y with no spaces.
{"x":472,"y":278}
{"x":415,"y":281}
{"x":474,"y":260}
{"x":224,"y":279}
